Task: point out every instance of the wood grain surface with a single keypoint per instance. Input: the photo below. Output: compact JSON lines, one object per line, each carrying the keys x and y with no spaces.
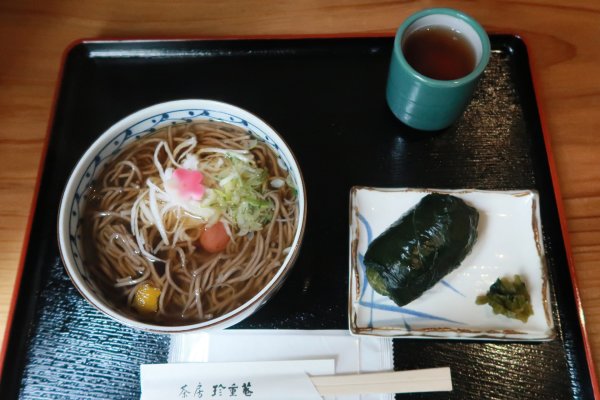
{"x":563,"y":40}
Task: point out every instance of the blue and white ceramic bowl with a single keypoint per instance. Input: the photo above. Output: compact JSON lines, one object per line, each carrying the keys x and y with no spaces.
{"x":130,"y":129}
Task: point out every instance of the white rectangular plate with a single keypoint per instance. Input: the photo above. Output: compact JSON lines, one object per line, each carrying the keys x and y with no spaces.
{"x":509,"y":242}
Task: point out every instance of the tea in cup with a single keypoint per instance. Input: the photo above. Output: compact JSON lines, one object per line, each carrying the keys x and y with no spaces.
{"x":438,"y":57}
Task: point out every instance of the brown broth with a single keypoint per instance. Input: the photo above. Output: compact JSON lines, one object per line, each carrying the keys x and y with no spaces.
{"x":97,"y":210}
{"x":439,"y":52}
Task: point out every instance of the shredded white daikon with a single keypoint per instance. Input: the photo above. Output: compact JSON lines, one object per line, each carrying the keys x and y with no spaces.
{"x":243,"y":155}
{"x":277,"y":183}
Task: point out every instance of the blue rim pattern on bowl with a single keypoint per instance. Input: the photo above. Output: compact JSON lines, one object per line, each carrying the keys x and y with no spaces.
{"x":129,"y":129}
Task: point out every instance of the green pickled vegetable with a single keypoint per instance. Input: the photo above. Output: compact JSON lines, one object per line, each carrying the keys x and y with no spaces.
{"x":421,"y":247}
{"x":509,"y":297}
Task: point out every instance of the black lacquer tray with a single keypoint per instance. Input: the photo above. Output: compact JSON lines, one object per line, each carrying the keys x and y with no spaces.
{"x":326,"y":98}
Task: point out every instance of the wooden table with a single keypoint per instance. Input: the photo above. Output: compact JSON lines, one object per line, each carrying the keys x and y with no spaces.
{"x":564,"y":45}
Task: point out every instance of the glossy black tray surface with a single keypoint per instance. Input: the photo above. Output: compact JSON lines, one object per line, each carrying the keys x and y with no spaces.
{"x":326,"y":98}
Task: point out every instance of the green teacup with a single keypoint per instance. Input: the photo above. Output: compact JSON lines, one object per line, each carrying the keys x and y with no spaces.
{"x":432,"y":90}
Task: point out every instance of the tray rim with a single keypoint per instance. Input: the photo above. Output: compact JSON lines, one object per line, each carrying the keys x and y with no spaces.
{"x":544,"y":127}
{"x":542,"y":117}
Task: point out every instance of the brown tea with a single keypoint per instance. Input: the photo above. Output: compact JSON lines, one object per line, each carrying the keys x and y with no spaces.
{"x":439,"y":52}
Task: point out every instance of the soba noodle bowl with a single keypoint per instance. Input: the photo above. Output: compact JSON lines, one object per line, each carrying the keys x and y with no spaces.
{"x":190,"y":222}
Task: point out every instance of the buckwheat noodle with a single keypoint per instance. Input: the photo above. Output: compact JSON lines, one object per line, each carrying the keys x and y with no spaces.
{"x":126,"y":248}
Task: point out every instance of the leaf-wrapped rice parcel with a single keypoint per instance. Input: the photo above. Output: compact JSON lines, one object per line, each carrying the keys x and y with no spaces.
{"x":421,"y":247}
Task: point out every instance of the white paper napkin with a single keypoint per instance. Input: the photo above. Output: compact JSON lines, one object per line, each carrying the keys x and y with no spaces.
{"x":352,"y":354}
{"x":267,"y":380}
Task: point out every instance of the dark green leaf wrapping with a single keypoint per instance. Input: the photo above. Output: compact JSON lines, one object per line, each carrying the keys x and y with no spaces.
{"x":421,"y":247}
